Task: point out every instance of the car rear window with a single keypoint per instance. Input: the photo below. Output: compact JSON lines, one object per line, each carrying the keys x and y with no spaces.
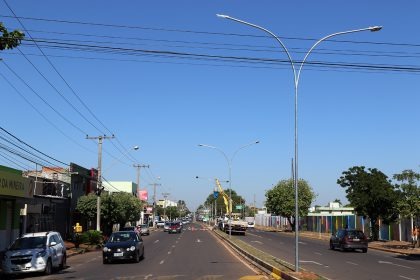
{"x":355,"y":234}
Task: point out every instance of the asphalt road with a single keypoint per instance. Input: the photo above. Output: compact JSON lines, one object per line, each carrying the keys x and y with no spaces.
{"x":315,"y":256}
{"x":193,"y":254}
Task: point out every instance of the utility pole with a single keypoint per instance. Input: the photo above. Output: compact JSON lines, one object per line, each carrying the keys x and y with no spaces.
{"x":165,"y":195}
{"x":99,"y":180}
{"x":138,"y":166}
{"x":154,"y":203}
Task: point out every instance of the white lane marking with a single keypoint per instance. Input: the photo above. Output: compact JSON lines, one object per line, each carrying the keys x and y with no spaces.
{"x":318,"y":253}
{"x":173,"y":246}
{"x":256,"y":241}
{"x":256,"y":235}
{"x":303,"y":243}
{"x":169,"y":252}
{"x":314,"y":262}
{"x":147,"y":276}
{"x":352,"y":263}
{"x":391,"y":263}
{"x":406,"y":277}
{"x":162,"y":261}
{"x":198,"y":240}
{"x":156,"y":241}
{"x":176,"y":241}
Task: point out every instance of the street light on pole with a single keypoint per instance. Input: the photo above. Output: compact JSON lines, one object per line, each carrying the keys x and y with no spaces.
{"x":296,"y":74}
{"x":229,"y":162}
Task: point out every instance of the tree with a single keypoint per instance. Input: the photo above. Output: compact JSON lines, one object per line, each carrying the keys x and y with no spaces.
{"x":409,"y":202}
{"x":120,"y":208}
{"x":280,"y":200}
{"x":10,"y":40}
{"x":86,"y":205}
{"x":220,"y":204}
{"x":371,"y":194}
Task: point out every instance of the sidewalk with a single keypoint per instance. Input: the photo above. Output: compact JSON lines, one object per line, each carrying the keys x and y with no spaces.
{"x":398,"y":247}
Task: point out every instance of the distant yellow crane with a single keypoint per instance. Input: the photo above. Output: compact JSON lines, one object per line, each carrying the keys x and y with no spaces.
{"x":225,"y":197}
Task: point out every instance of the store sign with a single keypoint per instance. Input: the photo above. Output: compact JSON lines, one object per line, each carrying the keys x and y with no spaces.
{"x":13,"y":184}
{"x":142,"y":195}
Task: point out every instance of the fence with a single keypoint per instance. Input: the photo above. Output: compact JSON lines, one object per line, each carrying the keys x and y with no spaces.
{"x":329,"y":224}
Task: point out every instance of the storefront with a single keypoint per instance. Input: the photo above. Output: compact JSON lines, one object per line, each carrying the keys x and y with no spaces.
{"x":15,"y":191}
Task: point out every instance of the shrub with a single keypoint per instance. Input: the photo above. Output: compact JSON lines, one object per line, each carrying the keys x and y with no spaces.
{"x":92,"y":237}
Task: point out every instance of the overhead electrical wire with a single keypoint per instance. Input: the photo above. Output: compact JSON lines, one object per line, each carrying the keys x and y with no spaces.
{"x":68,"y":85}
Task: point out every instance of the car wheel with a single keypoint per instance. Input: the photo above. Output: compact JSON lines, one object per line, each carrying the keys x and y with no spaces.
{"x":364,"y":250}
{"x":63,"y":262}
{"x":142,"y":255}
{"x":48,"y":268}
{"x":331,"y":246}
{"x":137,"y":259}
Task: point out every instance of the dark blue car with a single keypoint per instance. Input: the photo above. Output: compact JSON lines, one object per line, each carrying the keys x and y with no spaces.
{"x":123,"y":245}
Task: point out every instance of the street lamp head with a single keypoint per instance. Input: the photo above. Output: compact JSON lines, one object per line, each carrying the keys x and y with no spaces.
{"x":222,"y":16}
{"x":257,"y":142}
{"x":136,"y":148}
{"x":375,"y":28}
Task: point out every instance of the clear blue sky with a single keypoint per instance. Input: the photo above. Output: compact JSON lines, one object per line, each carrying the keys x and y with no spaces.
{"x":169,"y":75}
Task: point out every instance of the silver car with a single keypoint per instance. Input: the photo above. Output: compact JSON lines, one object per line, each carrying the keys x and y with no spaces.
{"x":144,"y":229}
{"x":35,"y":252}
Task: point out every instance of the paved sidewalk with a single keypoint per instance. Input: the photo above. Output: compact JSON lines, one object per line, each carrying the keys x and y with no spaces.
{"x":399,"y":247}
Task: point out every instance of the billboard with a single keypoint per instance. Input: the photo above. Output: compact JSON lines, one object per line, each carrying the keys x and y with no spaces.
{"x":142,"y":195}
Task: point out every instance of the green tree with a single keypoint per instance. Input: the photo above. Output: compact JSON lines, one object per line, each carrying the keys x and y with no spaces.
{"x":10,"y":40}
{"x":86,"y":205}
{"x":280,"y":200}
{"x":409,"y":187}
{"x":220,"y":204}
{"x":371,"y":194}
{"x":172,"y":212}
{"x":120,"y":208}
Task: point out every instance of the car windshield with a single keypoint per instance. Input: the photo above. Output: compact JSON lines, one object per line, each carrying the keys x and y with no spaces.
{"x":29,"y":243}
{"x":144,"y":226}
{"x":122,"y":237}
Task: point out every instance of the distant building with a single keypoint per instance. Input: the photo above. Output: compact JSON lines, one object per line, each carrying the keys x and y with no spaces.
{"x":333,"y":209}
{"x":166,"y":203}
{"x":120,"y":186}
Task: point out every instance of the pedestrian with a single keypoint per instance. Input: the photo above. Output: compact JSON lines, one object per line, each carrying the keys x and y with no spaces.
{"x":415,"y":235}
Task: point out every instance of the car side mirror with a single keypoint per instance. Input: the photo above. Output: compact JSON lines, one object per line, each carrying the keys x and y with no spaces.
{"x":53,"y":243}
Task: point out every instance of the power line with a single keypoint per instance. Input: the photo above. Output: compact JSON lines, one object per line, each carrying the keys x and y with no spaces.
{"x":21,"y":141}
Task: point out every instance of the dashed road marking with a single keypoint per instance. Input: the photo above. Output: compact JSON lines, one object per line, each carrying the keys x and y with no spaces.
{"x":352,"y":263}
{"x":408,"y":278}
{"x":391,"y":263}
{"x":318,"y":253}
{"x":156,"y":241}
{"x":162,"y":261}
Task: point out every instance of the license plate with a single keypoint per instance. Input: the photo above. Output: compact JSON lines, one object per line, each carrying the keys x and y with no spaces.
{"x":118,"y":254}
{"x":356,"y":239}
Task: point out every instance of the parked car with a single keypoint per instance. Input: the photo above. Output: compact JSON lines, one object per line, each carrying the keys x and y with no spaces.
{"x":35,"y":252}
{"x":175,"y":227}
{"x":144,"y":230}
{"x":160,"y":224}
{"x":251,"y":225}
{"x":123,"y":245}
{"x":349,"y":239}
{"x":166,"y":226}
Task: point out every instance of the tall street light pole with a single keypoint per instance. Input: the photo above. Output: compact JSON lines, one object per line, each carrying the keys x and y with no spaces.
{"x":296,"y":74}
{"x":229,"y":162}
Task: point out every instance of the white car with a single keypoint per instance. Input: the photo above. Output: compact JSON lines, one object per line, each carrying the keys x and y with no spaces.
{"x":35,"y":252}
{"x":251,"y":225}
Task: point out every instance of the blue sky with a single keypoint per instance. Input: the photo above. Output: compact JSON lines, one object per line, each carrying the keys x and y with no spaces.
{"x":171,"y":75}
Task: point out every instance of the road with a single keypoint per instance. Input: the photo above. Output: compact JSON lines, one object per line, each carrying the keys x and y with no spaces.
{"x":315,"y":256}
{"x":193,"y":254}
